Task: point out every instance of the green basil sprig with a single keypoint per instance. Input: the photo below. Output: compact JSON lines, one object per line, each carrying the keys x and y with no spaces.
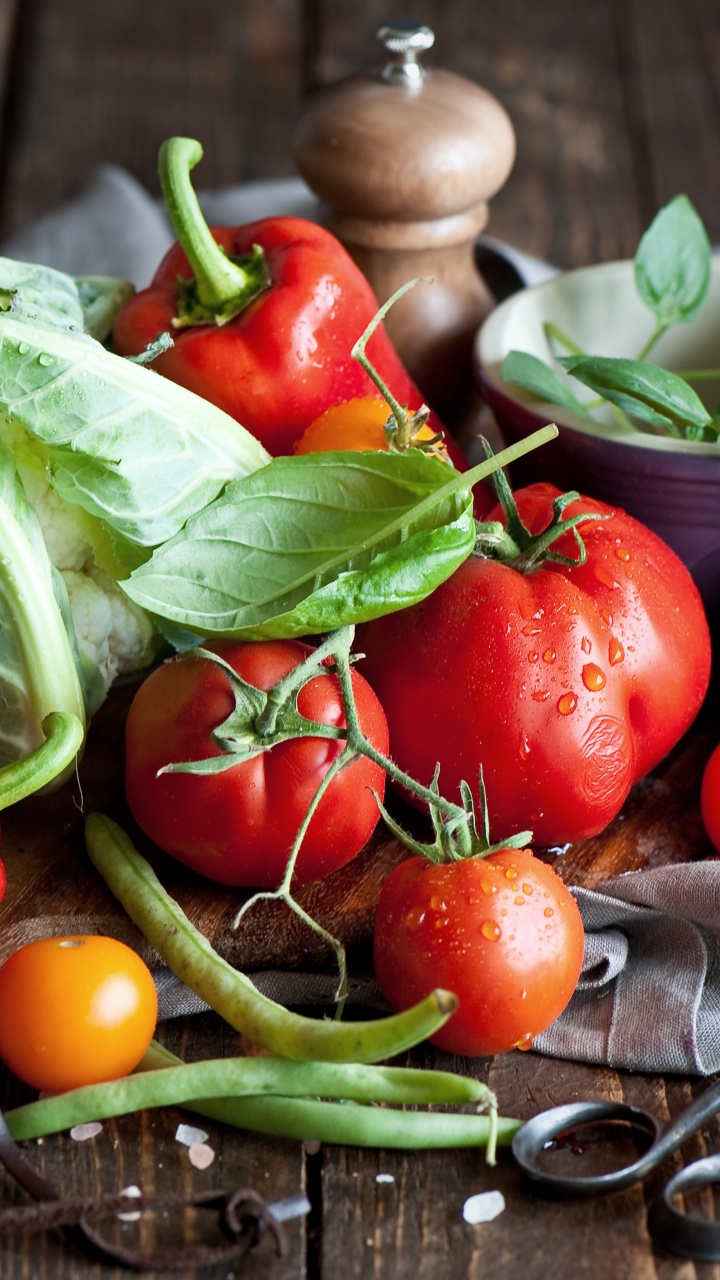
{"x":311,"y":543}
{"x":672,"y":275}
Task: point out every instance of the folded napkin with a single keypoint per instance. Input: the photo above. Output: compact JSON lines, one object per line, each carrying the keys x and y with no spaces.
{"x":649,"y":995}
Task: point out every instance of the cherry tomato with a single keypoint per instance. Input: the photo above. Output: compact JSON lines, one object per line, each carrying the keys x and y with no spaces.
{"x":357,"y":425}
{"x":566,"y":684}
{"x":75,"y":1011}
{"x":503,"y":932}
{"x":238,"y":826}
{"x":710,"y":798}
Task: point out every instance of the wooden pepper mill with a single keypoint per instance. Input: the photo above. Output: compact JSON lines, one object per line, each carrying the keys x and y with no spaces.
{"x":404,"y":160}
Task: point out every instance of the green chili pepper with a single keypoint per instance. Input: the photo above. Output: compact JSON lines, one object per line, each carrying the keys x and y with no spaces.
{"x":230,"y":993}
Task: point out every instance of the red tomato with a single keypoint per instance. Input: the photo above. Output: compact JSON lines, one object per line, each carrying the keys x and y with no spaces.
{"x":75,"y":1011}
{"x":237,"y":827}
{"x":710,"y":798}
{"x":567,"y":684}
{"x":3,"y":881}
{"x":503,"y":932}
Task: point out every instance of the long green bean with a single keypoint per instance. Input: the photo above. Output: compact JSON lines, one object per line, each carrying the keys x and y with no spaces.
{"x":179,"y":1083}
{"x":230,"y":993}
{"x":349,"y":1124}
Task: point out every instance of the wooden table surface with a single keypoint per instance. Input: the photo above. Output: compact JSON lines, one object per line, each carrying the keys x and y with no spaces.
{"x":616,"y":108}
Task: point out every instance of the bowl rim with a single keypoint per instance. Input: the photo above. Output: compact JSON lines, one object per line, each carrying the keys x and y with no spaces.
{"x":487,"y":370}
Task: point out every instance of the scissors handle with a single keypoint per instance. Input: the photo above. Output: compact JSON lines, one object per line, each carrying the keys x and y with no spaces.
{"x":547,"y":1127}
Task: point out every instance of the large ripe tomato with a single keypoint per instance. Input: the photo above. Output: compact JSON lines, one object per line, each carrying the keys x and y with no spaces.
{"x":237,"y":827}
{"x":567,"y":684}
{"x":75,"y":1011}
{"x":503,"y":932}
{"x":710,"y":798}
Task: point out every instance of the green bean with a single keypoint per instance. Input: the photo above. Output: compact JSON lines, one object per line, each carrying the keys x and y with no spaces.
{"x":230,"y":993}
{"x":237,"y":1077}
{"x":349,"y":1124}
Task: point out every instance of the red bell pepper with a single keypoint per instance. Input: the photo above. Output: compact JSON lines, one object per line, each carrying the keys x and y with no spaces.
{"x":263,"y":316}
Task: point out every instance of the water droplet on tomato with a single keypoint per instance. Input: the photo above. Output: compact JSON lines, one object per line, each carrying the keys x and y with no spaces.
{"x":491,"y":930}
{"x":414,"y":918}
{"x":533,"y":656}
{"x":622,"y":554}
{"x":607,"y":617}
{"x":511,"y":873}
{"x":593,"y":677}
{"x":586,"y":644}
{"x":437,"y":904}
{"x":567,"y":704}
{"x":616,"y":653}
{"x":548,"y":912}
{"x":549,"y":655}
{"x":488,"y":887}
{"x":527,"y":888}
{"x":524,"y":1043}
{"x":603,"y":575}
{"x":519,"y":901}
{"x":524,"y":748}
{"x":541,"y":695}
{"x":530,"y":630}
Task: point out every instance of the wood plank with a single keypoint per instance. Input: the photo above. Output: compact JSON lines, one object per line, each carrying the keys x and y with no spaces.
{"x":677,"y":52}
{"x":107,"y":83}
{"x":142,"y":1150}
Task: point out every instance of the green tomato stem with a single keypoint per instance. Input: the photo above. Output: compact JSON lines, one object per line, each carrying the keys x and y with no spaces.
{"x":65,"y":734}
{"x":230,"y":993}
{"x":223,"y":286}
{"x":406,"y":424}
{"x":284,"y":893}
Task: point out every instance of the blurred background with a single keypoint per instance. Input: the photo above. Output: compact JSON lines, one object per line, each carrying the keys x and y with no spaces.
{"x":616,"y":103}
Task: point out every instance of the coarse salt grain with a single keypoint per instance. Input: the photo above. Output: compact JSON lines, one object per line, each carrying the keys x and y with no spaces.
{"x":187,"y":1134}
{"x":483,"y":1207}
{"x":81,"y":1132}
{"x":200,"y":1155}
{"x":132,"y":1193}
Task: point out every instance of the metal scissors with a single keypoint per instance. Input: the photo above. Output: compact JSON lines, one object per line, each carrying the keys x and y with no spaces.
{"x":561,"y":1128}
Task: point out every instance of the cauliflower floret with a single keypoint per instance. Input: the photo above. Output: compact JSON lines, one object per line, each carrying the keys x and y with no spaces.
{"x":111,"y":630}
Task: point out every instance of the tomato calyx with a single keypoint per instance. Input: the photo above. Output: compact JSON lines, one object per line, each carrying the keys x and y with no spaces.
{"x":514,"y":544}
{"x":403,"y":430}
{"x":456,"y":834}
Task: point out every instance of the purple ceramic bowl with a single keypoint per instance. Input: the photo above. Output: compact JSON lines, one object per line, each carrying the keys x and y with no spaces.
{"x":673,"y":486}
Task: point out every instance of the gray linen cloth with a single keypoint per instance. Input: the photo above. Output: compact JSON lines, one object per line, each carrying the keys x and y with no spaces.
{"x":649,"y":995}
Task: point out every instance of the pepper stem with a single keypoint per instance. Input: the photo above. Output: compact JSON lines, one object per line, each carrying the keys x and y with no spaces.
{"x":222,"y":286}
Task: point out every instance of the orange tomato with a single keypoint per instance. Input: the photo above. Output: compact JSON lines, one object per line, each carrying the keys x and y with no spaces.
{"x":75,"y":1011}
{"x":357,"y":424}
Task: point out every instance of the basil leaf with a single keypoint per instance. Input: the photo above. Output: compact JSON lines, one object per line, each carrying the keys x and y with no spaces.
{"x":672,"y":264}
{"x":311,"y":543}
{"x":533,"y":375}
{"x":644,"y":390}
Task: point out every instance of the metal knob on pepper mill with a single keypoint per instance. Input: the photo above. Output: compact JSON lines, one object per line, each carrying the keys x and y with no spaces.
{"x":404,"y":159}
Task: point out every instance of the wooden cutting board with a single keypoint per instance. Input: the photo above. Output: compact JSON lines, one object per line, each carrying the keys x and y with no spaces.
{"x":52,"y":887}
